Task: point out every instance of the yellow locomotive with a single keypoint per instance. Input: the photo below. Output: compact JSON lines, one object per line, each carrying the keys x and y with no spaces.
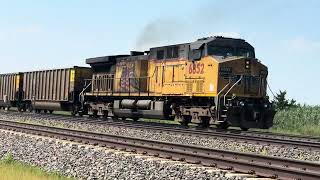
{"x":213,"y":80}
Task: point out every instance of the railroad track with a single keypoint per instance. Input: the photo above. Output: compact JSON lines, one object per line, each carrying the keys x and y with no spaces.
{"x":238,"y":136}
{"x":265,"y":166}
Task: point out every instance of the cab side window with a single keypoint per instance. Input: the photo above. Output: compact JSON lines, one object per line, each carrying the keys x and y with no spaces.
{"x":172,"y":52}
{"x":160,"y":54}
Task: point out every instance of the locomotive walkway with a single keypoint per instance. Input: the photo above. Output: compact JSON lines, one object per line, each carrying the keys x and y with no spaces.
{"x":264,"y":166}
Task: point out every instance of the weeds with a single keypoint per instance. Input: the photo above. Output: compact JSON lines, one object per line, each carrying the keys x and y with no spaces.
{"x":13,"y":170}
{"x":304,"y":120}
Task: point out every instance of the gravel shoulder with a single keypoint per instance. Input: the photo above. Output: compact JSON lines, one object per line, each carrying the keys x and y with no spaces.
{"x":89,"y":162}
{"x":216,"y":142}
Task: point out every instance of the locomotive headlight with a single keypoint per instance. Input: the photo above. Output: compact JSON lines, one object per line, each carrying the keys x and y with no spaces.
{"x":247,"y":64}
{"x":242,"y":103}
{"x":266,"y":105}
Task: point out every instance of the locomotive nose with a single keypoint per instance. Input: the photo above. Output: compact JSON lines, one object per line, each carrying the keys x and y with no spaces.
{"x":247,"y":75}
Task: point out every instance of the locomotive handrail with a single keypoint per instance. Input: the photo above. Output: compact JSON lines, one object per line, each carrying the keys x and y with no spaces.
{"x":84,"y":89}
{"x":223,"y":89}
{"x":224,"y":97}
{"x":218,"y":100}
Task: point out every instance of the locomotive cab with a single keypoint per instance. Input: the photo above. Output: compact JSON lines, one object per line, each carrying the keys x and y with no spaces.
{"x":241,"y":99}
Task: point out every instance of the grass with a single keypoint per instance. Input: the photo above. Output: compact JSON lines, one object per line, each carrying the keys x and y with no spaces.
{"x":62,"y":113}
{"x":13,"y":170}
{"x":160,"y":121}
{"x":303,"y":120}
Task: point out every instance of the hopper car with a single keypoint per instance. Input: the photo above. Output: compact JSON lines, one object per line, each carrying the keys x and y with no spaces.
{"x":44,"y":91}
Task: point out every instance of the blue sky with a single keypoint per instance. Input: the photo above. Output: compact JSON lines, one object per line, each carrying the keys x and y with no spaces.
{"x":42,"y":34}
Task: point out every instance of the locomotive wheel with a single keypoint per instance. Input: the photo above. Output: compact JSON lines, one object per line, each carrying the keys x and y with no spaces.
{"x":185,"y":120}
{"x":224,"y":125}
{"x":115,"y":118}
{"x":105,"y":115}
{"x":244,"y":129}
{"x":20,"y":109}
{"x":80,"y":113}
{"x":29,"y":108}
{"x":73,"y":113}
{"x":135,"y":119}
{"x":94,"y":115}
{"x":205,"y":123}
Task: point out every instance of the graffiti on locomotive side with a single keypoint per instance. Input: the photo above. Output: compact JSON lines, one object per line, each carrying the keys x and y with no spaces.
{"x":196,"y":68}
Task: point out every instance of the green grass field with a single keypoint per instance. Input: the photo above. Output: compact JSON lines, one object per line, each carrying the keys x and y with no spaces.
{"x":304,"y":120}
{"x":12,"y":170}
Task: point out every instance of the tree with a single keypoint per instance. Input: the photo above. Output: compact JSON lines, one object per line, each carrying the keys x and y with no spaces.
{"x":281,"y":102}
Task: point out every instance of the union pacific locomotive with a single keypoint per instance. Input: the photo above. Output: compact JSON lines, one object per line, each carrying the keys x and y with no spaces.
{"x":213,"y":80}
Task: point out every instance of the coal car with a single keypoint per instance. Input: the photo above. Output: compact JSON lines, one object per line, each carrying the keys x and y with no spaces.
{"x":44,"y":91}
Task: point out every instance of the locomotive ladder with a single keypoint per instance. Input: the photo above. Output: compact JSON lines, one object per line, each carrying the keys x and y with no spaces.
{"x":81,"y":94}
{"x":218,"y":109}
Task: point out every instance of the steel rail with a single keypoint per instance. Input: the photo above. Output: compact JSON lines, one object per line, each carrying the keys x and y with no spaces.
{"x":265,"y":166}
{"x":252,"y":137}
{"x":268,"y":140}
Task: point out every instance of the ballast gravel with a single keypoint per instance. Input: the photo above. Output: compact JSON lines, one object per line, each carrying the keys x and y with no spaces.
{"x":89,"y":162}
{"x":214,"y":142}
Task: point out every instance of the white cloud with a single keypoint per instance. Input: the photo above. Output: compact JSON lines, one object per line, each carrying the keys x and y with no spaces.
{"x":12,"y":35}
{"x":303,"y":45}
{"x":29,"y":29}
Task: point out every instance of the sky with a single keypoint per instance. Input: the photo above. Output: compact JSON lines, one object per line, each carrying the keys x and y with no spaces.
{"x":43,"y":34}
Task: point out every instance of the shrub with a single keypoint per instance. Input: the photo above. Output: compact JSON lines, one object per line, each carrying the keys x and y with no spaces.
{"x":281,"y":102}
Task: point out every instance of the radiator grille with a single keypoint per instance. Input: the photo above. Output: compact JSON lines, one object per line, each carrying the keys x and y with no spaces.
{"x":189,"y":86}
{"x":199,"y":86}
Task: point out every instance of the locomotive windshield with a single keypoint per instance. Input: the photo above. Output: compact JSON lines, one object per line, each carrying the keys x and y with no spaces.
{"x":229,"y":51}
